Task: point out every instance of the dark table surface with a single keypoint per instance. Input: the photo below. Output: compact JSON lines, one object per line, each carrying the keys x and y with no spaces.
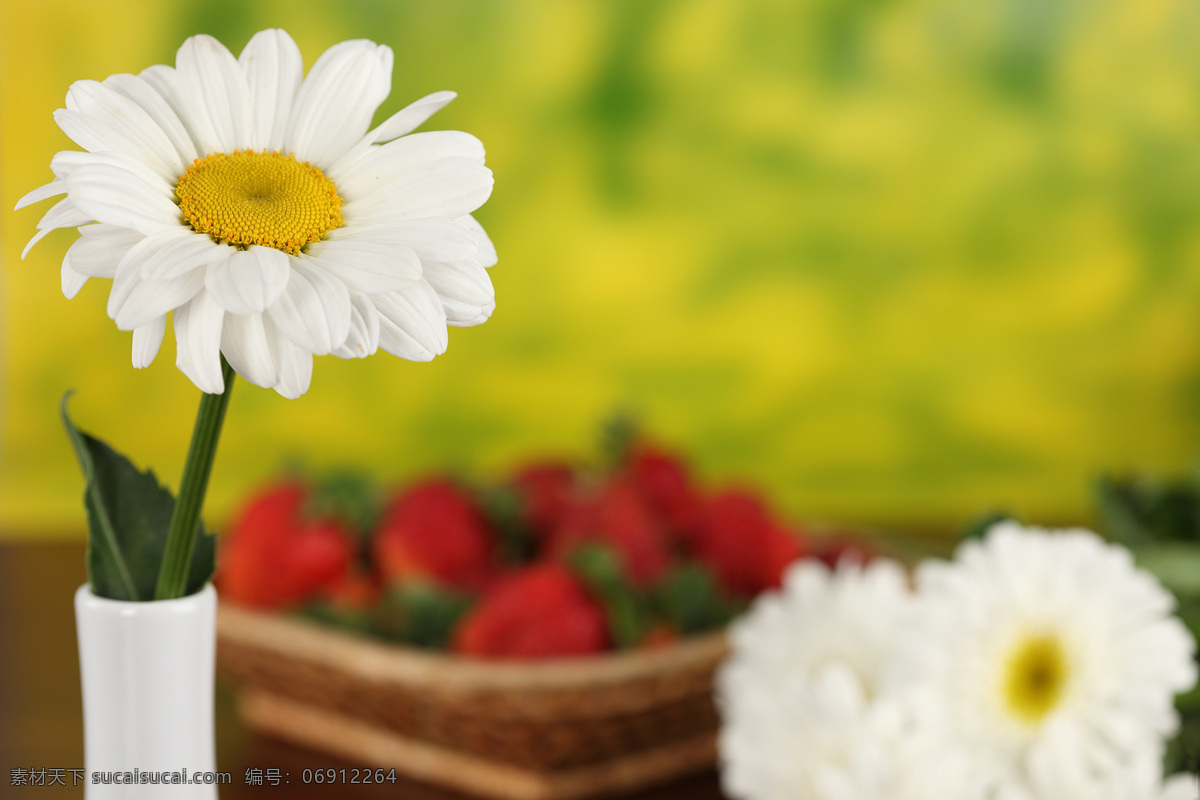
{"x":41,"y":721}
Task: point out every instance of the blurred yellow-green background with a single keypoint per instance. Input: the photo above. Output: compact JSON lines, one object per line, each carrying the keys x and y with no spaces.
{"x":897,"y":261}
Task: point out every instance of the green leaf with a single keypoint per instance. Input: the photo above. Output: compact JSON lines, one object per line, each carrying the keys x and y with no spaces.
{"x":420,"y":613}
{"x":600,"y":569}
{"x":1175,"y":564}
{"x":692,"y":601}
{"x":128,"y":516}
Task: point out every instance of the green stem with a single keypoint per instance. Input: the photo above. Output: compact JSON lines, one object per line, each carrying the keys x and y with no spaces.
{"x":185,"y":519}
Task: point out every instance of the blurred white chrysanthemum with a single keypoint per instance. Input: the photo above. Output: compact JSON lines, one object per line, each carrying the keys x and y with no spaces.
{"x":253,"y":203}
{"x":1056,"y":774}
{"x":1055,"y":654}
{"x":808,"y":709}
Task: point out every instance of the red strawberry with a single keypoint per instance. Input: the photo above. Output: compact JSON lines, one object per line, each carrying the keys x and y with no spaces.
{"x":541,"y":611}
{"x":545,"y":490}
{"x":272,"y":557}
{"x":664,"y":480}
{"x":432,"y":530}
{"x":354,"y":592}
{"x":620,"y":518}
{"x":738,"y":539}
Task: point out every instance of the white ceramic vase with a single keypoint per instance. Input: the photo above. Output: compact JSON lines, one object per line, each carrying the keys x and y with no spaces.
{"x":147,"y":671}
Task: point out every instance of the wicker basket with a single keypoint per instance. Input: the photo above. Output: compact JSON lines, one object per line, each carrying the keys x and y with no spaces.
{"x":534,"y":731}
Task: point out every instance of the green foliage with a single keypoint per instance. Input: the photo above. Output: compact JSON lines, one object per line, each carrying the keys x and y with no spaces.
{"x":128,"y":516}
{"x":689,"y":598}
{"x":501,"y":506}
{"x":600,"y":569}
{"x":1140,"y":512}
{"x":1159,"y":520}
{"x":349,"y":497}
{"x":419,"y":613}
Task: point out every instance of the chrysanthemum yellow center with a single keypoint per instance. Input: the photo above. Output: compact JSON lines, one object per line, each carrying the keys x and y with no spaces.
{"x":1035,"y":677}
{"x":269,"y":199}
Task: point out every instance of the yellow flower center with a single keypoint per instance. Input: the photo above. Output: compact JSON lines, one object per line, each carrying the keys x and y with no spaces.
{"x":1035,"y":677}
{"x":269,"y":199}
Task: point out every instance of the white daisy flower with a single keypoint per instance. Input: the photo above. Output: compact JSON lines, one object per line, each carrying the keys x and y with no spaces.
{"x":253,"y":203}
{"x":1053,"y":651}
{"x":807,"y":703}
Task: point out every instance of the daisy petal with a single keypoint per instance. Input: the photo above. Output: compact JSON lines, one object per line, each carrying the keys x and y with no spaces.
{"x":362,"y":339}
{"x":431,"y":239}
{"x":293,"y":364}
{"x":486,"y":254}
{"x":218,"y":112}
{"x":465,"y":291}
{"x":117,"y":195}
{"x":338,"y":99}
{"x":100,"y":248}
{"x":274,"y":71}
{"x":183,"y":253}
{"x":449,"y":187}
{"x":97,"y":118}
{"x":399,"y":161}
{"x":147,"y":339}
{"x":412,"y":324}
{"x":411,"y":117}
{"x":157,"y":107}
{"x":61,"y":215}
{"x":403,"y":122}
{"x":314,"y":310}
{"x":51,"y":189}
{"x":150,"y":299}
{"x":72,"y":281}
{"x":244,"y":343}
{"x":366,"y":266}
{"x":198,"y":343}
{"x":248,"y":281}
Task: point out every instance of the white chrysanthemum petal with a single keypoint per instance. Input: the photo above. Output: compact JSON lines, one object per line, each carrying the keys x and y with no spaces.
{"x":412,"y":323}
{"x":147,"y":339}
{"x":398,"y":161}
{"x":338,"y":99}
{"x":448,"y":187}
{"x":403,"y":122}
{"x":465,"y":290}
{"x":156,"y":106}
{"x":362,"y":337}
{"x":1181,"y":787}
{"x":274,"y":71}
{"x":250,"y":280}
{"x":1079,"y":608}
{"x":314,"y":310}
{"x":105,"y":119}
{"x":100,"y":248}
{"x":217,"y":99}
{"x":486,"y":253}
{"x":293,"y":364}
{"x":62,"y":214}
{"x":51,"y":189}
{"x":198,"y":342}
{"x":244,"y":343}
{"x":808,"y":706}
{"x":431,"y":239}
{"x":367,"y":266}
